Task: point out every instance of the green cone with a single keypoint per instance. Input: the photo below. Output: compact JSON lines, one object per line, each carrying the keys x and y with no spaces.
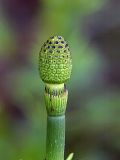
{"x":55,"y":62}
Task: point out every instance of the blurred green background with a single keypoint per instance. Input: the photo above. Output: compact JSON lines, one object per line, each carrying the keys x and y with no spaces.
{"x":92,"y":29}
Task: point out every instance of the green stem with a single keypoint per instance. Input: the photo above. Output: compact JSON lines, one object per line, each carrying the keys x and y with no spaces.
{"x":55,"y":138}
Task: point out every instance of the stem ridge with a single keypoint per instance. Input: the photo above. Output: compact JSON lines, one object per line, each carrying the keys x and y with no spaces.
{"x":55,"y":138}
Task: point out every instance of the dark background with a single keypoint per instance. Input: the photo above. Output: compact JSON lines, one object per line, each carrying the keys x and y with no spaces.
{"x":92,"y":29}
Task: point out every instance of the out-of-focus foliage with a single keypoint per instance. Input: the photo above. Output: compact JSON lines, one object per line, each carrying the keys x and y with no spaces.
{"x":92,"y":119}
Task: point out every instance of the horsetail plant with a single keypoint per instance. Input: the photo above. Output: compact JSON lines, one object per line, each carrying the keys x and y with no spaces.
{"x":55,"y":65}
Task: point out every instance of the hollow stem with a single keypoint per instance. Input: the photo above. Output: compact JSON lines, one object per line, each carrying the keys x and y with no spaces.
{"x":55,"y":138}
